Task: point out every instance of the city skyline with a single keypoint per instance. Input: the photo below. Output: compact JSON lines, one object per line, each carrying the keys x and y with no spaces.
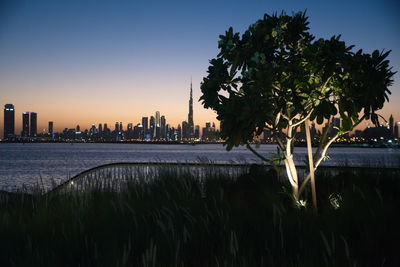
{"x":28,"y":125}
{"x":157,"y":129}
{"x":95,"y":62}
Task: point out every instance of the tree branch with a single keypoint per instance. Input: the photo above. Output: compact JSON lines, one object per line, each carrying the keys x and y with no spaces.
{"x":323,"y":138}
{"x":303,"y":120}
{"x":307,"y":179}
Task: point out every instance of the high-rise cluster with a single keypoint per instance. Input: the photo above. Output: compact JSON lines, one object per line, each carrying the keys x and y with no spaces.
{"x":153,"y":128}
{"x":29,"y":123}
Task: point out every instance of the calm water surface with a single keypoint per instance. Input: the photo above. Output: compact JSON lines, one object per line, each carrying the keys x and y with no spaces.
{"x":28,"y":163}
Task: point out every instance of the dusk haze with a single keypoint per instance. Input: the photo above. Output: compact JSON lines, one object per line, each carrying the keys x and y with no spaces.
{"x":90,"y":62}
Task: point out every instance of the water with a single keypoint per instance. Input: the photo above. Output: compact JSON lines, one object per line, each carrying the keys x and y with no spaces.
{"x":26,"y":164}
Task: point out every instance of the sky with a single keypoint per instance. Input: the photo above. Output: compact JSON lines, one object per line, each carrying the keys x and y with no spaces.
{"x":89,"y":62}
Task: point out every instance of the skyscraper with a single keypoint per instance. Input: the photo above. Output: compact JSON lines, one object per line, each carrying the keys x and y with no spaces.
{"x":158,"y":119}
{"x":157,"y":125}
{"x":185,"y":130}
{"x":33,"y":126}
{"x":152,"y":127}
{"x":9,"y":121}
{"x":50,"y":130}
{"x":145,"y":126}
{"x":391,"y":125}
{"x":25,"y":124}
{"x":190,"y":124}
{"x":162,"y":127}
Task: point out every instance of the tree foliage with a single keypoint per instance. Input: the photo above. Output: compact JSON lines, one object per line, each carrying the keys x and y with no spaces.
{"x":276,"y":75}
{"x":276,"y":67}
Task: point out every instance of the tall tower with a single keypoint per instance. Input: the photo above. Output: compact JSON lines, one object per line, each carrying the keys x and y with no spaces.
{"x":156,"y":129}
{"x":50,"y":129}
{"x":145,"y":124}
{"x":190,"y":126}
{"x":391,"y":125}
{"x":9,"y":121}
{"x":163,"y":133}
{"x":25,"y":124}
{"x":33,"y":128}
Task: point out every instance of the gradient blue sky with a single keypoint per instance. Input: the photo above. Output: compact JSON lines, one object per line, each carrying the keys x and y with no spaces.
{"x":90,"y":62}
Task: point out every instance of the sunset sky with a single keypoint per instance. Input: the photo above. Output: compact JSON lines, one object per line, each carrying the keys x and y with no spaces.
{"x":90,"y":62}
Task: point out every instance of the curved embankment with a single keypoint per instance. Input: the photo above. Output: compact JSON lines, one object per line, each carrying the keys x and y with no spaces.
{"x":121,"y":171}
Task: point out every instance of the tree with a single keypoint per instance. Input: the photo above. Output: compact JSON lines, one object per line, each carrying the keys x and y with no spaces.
{"x":276,"y":76}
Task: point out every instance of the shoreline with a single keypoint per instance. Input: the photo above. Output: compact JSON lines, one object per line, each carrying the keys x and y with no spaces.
{"x":298,"y":144}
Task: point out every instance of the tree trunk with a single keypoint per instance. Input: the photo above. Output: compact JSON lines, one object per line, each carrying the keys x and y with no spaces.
{"x":311,"y":164}
{"x":292,"y":176}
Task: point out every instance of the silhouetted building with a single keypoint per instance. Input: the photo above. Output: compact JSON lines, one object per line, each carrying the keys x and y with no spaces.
{"x":209,"y":132}
{"x":78,"y":128}
{"x":163,"y":133}
{"x":9,"y":121}
{"x":178,"y":133}
{"x":33,"y":126}
{"x":145,"y":127}
{"x":116,"y":127}
{"x":197,"y":132}
{"x":100,"y":129}
{"x":391,"y":125}
{"x":396,"y":130}
{"x":156,"y":129}
{"x":185,"y":130}
{"x":379,"y":133}
{"x":92,"y":131}
{"x":190,"y":126}
{"x":267,"y":135}
{"x":50,"y":129}
{"x":152,"y":127}
{"x":129,"y":131}
{"x":313,"y":130}
{"x":25,"y":124}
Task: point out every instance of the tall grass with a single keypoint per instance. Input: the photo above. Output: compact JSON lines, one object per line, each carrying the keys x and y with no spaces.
{"x":182,"y":219}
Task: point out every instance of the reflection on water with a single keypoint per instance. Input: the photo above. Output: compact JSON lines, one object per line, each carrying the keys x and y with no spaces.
{"x":53,"y":163}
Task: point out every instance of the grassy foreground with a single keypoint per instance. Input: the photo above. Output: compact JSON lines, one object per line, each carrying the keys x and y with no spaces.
{"x":178,"y":221}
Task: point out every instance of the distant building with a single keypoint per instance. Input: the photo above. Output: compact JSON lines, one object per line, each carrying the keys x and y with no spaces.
{"x":129,"y":131}
{"x":153,"y":127}
{"x":25,"y":124}
{"x":190,"y":123}
{"x":391,"y":125}
{"x":185,"y":130}
{"x":33,"y":126}
{"x":50,"y":129}
{"x":396,"y":130}
{"x":145,"y":127}
{"x":163,"y":131}
{"x":178,"y":133}
{"x":9,"y":121}
{"x":197,"y":132}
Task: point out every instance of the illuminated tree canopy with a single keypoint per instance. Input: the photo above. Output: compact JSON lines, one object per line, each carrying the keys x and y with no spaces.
{"x":276,"y":76}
